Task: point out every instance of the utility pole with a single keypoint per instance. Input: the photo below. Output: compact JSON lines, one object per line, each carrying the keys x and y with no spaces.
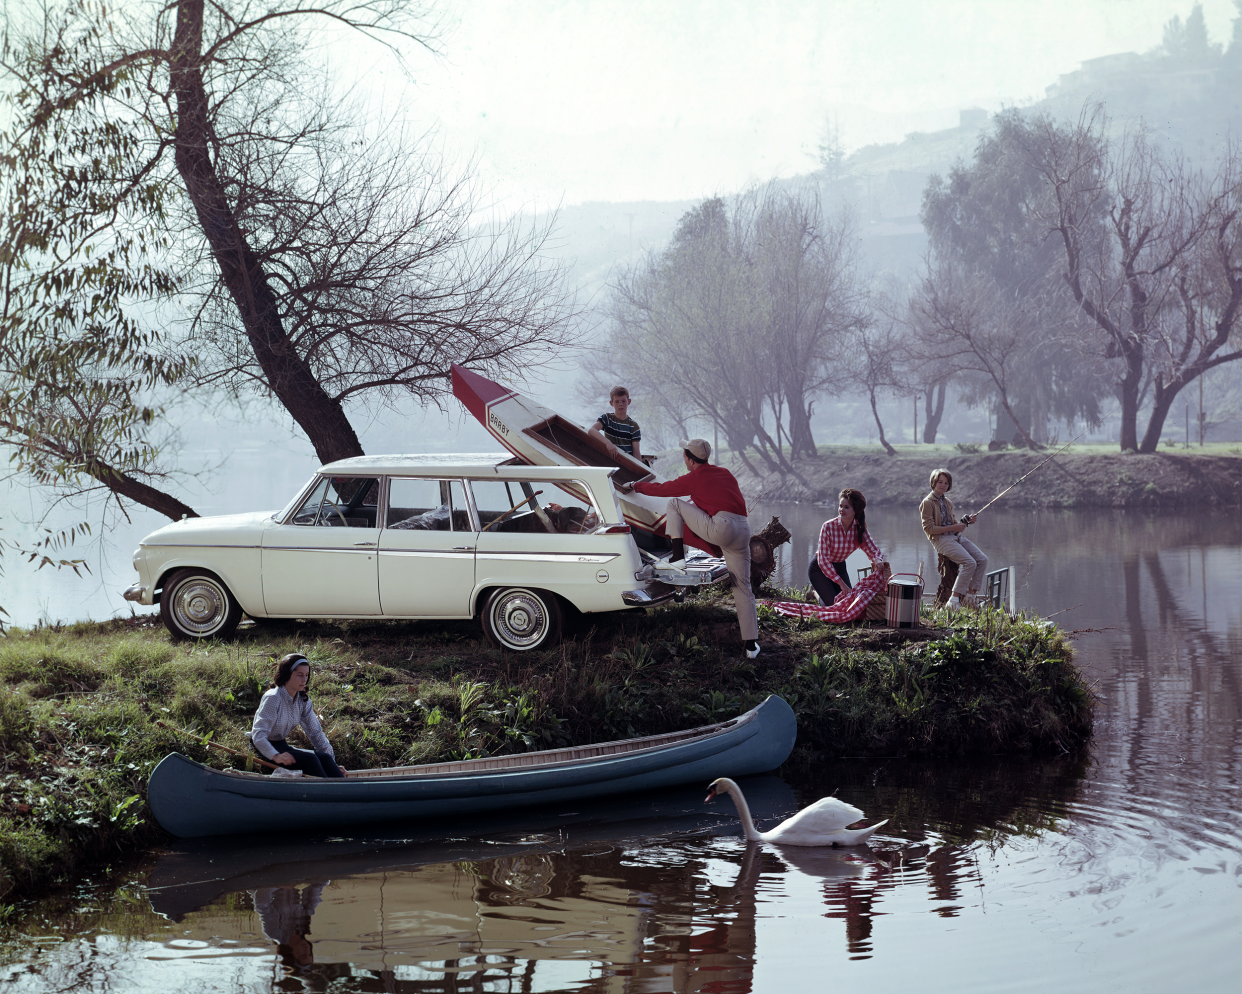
{"x":1200,"y":410}
{"x":916,"y":419}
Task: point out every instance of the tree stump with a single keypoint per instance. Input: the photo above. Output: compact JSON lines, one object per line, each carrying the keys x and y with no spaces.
{"x":762,"y":551}
{"x":947,"y":569}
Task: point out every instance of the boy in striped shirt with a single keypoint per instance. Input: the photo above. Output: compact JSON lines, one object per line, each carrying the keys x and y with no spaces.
{"x":619,"y":431}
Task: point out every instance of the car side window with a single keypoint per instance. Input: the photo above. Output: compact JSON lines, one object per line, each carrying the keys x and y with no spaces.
{"x":340,"y":502}
{"x":540,"y":506}
{"x":427,"y":505}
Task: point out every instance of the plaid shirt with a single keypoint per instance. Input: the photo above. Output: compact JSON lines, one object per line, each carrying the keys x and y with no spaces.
{"x":278,"y":715}
{"x":836,"y":543}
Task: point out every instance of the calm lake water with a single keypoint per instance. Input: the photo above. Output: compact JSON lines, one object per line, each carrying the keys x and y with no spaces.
{"x":1116,"y":870}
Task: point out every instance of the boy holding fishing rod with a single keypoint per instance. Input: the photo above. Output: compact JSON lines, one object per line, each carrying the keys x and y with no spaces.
{"x":944,"y":531}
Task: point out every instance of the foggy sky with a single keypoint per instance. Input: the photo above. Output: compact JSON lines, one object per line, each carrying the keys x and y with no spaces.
{"x":582,"y":100}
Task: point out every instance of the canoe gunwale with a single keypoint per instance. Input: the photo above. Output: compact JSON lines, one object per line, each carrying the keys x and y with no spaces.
{"x":521,"y":762}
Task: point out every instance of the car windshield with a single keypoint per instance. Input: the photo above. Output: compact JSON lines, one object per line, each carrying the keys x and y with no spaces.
{"x":283,"y":513}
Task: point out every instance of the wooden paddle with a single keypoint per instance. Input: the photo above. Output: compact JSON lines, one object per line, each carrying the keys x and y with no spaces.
{"x":524,"y":500}
{"x":223,"y":748}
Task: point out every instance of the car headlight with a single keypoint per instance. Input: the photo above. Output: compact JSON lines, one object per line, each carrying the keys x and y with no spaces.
{"x":138,"y":558}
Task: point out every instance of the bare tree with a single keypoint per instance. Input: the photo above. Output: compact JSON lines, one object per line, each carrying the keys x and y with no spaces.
{"x":814,"y":295}
{"x":183,"y":153}
{"x":966,"y":321}
{"x":1152,"y":257}
{"x":741,"y":320}
{"x":878,"y":347}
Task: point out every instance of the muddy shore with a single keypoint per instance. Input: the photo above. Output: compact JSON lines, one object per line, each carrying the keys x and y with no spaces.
{"x":1162,"y":480}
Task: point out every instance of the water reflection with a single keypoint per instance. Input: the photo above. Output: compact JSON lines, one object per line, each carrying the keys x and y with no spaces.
{"x":285,"y":916}
{"x":1117,"y":868}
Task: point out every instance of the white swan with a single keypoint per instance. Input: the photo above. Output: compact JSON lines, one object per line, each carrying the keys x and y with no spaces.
{"x":822,"y":824}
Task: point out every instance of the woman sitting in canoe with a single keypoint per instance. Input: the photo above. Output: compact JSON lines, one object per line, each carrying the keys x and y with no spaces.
{"x":281,"y":710}
{"x":839,"y":537}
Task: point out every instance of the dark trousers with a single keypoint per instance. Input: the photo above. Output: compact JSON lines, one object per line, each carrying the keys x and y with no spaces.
{"x":825,"y":584}
{"x":313,"y":764}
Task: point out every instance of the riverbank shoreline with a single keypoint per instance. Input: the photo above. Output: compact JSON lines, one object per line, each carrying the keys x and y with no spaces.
{"x":79,"y":704}
{"x":1085,"y":476}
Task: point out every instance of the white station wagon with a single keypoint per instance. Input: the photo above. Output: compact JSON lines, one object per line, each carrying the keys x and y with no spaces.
{"x":410,"y":536}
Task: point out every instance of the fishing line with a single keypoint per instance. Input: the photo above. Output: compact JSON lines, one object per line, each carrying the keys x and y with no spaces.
{"x":1030,"y":562}
{"x":1091,"y":427}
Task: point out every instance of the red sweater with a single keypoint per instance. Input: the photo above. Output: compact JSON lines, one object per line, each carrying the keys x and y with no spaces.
{"x":712,"y":488}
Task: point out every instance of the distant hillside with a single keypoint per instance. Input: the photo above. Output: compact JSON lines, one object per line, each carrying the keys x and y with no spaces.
{"x":1195,"y":105}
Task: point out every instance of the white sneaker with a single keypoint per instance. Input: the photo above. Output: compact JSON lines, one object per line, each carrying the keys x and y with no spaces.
{"x":751,"y":653}
{"x":955,"y":604}
{"x":677,"y":567}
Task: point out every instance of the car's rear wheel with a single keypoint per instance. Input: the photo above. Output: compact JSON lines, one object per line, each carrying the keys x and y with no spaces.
{"x":195,"y":604}
{"x":520,"y":619}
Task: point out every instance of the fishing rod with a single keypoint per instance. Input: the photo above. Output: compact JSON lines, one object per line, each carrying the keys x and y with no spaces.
{"x":216,"y":745}
{"x":973,"y":517}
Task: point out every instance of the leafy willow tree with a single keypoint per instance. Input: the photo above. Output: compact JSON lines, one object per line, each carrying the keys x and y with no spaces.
{"x":991,"y":308}
{"x":187,"y":208}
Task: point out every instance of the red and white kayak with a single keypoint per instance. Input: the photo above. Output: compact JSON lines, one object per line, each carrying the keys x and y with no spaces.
{"x":539,"y":436}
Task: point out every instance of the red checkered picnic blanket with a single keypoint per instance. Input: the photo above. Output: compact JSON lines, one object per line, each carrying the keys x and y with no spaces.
{"x":850,"y":603}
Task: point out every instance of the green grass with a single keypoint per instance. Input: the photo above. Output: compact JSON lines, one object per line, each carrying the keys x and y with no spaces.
{"x":79,"y":704}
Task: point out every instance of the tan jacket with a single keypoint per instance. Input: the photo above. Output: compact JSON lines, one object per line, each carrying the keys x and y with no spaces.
{"x":929,"y":511}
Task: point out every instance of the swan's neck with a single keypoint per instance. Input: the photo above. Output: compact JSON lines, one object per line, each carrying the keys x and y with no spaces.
{"x":743,"y":812}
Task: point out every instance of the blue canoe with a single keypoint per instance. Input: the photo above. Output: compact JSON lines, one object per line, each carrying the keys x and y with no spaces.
{"x":189,"y":799}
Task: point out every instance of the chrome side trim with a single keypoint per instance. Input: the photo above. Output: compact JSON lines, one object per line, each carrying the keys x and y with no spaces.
{"x":191,"y":545}
{"x":428,"y":553}
{"x":311,"y":548}
{"x":550,"y":557}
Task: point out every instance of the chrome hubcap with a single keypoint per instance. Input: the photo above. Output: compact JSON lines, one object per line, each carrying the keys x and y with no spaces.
{"x":199,"y":606}
{"x":520,"y":619}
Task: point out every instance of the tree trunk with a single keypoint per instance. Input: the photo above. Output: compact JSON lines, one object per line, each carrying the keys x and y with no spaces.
{"x":933,"y":414}
{"x":1039,"y":413}
{"x":1026,"y":435}
{"x":121,"y":484}
{"x":1130,"y":385}
{"x":801,"y":441}
{"x":287,"y":374}
{"x":876,"y":414}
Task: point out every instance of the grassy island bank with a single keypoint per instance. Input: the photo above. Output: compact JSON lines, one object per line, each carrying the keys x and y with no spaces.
{"x":1082,"y":476}
{"x":79,"y":704}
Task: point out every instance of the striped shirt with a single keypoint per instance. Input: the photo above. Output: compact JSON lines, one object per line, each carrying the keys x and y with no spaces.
{"x":836,"y":543}
{"x":278,"y":715}
{"x":622,"y":434}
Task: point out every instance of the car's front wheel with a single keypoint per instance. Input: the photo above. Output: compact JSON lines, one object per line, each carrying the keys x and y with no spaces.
{"x":521,"y":619}
{"x":195,"y":604}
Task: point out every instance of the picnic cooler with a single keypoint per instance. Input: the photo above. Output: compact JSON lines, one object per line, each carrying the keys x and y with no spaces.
{"x":905,"y":595}
{"x":877,"y":608}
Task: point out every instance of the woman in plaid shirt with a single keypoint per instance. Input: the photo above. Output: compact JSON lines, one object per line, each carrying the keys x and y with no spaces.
{"x":837,"y":539}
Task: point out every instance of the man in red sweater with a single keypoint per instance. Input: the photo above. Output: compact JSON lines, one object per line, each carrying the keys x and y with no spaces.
{"x":717,"y":517}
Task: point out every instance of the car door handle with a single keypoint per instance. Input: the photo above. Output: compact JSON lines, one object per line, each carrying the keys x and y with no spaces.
{"x":364,"y":545}
{"x":463,"y":548}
